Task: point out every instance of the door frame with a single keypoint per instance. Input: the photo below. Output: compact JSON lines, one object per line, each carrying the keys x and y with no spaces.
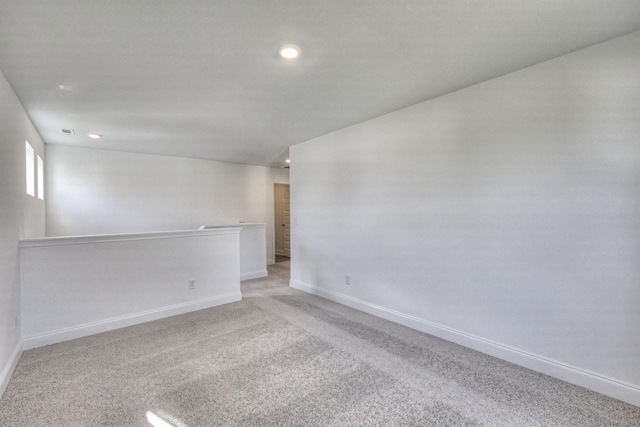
{"x":274,"y":223}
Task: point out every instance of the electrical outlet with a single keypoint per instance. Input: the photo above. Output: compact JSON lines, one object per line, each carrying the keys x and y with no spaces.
{"x":347,"y":279}
{"x":192,"y":284}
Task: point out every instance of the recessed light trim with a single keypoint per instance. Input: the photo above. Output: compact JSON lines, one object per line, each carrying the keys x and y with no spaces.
{"x":94,"y":136}
{"x":289,"y":51}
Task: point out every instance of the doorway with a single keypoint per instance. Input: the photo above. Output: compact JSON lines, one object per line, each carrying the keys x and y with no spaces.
{"x":282,"y":225}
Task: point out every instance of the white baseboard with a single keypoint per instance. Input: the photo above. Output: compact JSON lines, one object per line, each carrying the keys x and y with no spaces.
{"x":253,"y":275}
{"x":589,"y":380}
{"x":87,"y":329}
{"x":9,"y":367}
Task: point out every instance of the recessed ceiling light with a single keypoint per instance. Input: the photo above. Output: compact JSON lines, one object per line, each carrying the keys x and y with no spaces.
{"x":288,"y":161}
{"x":289,"y":51}
{"x":94,"y":135}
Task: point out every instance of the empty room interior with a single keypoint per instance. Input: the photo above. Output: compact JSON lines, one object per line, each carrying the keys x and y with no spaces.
{"x":319,"y":213}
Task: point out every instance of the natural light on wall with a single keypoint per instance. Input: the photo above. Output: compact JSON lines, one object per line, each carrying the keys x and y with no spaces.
{"x":30,"y":155}
{"x":40,"y":178}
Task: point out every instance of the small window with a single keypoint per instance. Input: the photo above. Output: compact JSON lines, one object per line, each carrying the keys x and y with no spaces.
{"x":40,"y":178}
{"x":30,"y":155}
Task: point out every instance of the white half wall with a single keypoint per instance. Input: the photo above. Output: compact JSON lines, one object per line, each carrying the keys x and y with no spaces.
{"x":21,"y":216}
{"x":504,"y":216}
{"x":106,"y":192}
{"x":78,"y":286}
{"x":253,"y":254}
{"x":253,"y":257}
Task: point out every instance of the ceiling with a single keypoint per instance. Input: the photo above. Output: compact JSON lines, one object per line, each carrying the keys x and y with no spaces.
{"x":202,"y":78}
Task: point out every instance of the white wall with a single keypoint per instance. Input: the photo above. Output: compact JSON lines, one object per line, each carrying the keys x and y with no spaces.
{"x":20,"y":216}
{"x":78,"y":286}
{"x":253,"y":250}
{"x":102,"y":192}
{"x":505,"y":216}
{"x":280,"y":176}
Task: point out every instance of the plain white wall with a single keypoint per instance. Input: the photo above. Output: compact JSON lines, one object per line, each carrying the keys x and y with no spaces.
{"x":280,"y":176}
{"x":21,"y":216}
{"x":74,"y":287}
{"x":104,"y":192}
{"x":253,"y":251}
{"x":508,"y":211}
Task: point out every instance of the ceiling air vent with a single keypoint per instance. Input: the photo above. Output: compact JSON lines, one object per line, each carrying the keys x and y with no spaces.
{"x":68,"y":131}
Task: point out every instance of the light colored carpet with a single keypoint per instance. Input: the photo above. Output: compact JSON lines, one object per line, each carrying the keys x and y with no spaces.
{"x":281,"y":357}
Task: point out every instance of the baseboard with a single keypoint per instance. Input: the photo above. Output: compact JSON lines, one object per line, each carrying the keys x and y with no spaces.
{"x":253,"y":275}
{"x":87,"y":329}
{"x":589,"y":380}
{"x":271,"y":261}
{"x":5,"y":376}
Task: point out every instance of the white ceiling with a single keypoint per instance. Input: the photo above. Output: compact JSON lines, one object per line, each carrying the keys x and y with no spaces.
{"x":201,"y":78}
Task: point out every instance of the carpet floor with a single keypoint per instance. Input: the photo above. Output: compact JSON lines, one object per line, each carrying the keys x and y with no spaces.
{"x":281,"y":357}
{"x":282,"y":258}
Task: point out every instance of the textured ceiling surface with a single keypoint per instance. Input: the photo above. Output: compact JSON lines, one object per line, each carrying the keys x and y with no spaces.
{"x":201,"y":78}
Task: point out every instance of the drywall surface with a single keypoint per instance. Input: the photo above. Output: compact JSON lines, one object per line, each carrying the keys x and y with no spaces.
{"x":104,"y":192}
{"x":73,"y":287}
{"x":280,"y":176}
{"x":20,"y":216}
{"x":253,"y":250}
{"x":505,"y":216}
